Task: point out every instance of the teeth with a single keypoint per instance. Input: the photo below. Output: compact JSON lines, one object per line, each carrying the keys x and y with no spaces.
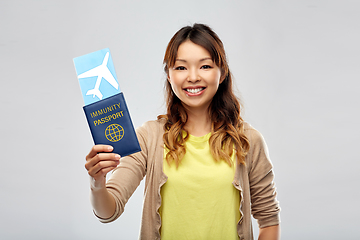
{"x":194,"y":90}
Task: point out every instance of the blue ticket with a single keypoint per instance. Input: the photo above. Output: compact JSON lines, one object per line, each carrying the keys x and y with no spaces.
{"x":97,"y":77}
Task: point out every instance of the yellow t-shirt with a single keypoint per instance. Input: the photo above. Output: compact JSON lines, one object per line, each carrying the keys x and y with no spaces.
{"x":199,"y":200}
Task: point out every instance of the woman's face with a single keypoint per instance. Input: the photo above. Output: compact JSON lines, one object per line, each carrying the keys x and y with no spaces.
{"x":194,"y":78}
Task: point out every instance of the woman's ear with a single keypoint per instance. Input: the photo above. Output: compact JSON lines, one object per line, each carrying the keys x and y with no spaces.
{"x":222,"y":77}
{"x":168,"y":78}
{"x":224,"y":73}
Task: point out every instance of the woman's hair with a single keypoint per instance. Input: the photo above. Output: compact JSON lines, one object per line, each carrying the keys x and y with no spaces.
{"x":227,"y":130}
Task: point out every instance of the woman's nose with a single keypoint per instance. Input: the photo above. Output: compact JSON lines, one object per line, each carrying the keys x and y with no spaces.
{"x":193,"y":76}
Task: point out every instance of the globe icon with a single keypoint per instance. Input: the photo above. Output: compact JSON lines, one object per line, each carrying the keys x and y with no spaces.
{"x":114,"y":132}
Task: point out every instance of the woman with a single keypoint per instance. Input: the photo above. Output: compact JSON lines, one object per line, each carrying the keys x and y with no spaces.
{"x":206,"y":169}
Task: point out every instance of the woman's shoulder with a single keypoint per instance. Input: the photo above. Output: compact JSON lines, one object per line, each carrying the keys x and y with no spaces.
{"x":253,"y":135}
{"x":258,"y":156}
{"x":249,"y":130}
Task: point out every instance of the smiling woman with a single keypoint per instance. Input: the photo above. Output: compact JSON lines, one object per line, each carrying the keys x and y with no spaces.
{"x":207,"y":171}
{"x":221,"y":109}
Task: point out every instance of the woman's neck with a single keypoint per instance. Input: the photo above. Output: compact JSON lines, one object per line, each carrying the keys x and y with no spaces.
{"x":198,"y":122}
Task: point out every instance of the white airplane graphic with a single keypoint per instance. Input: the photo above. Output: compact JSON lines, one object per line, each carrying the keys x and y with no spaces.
{"x":101,"y":71}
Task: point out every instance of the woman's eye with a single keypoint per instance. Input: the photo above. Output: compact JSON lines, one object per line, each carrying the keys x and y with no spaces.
{"x":206,"y":67}
{"x":180,"y":68}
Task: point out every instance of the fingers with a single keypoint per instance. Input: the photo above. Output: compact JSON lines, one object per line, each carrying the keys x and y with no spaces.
{"x":100,"y":161}
{"x":101,"y":173}
{"x":98,"y":148}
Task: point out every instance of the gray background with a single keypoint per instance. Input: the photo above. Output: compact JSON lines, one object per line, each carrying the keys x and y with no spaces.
{"x":296,"y":66}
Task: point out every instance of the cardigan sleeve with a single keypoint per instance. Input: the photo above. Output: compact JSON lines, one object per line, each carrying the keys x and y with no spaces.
{"x":127,"y":176}
{"x":264,"y":205}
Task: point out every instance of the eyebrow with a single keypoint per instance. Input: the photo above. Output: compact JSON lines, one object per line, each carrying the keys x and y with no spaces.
{"x":203,"y":59}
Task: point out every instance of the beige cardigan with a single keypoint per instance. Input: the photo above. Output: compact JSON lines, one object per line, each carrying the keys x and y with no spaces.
{"x":254,"y":182}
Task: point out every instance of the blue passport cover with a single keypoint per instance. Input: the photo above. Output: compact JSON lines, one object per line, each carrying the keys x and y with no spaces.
{"x":110,"y":123}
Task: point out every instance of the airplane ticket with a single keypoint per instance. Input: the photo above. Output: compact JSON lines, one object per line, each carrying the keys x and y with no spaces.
{"x":97,"y":77}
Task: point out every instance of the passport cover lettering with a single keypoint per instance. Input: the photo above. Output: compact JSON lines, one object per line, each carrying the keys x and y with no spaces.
{"x":110,"y":123}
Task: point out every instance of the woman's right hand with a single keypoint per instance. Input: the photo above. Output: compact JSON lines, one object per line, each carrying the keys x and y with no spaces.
{"x":99,"y":162}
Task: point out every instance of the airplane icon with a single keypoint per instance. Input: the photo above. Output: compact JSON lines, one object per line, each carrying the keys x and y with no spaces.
{"x":101,"y":71}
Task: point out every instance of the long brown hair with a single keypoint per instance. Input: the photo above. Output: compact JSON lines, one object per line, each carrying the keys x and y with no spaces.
{"x":227,"y":130}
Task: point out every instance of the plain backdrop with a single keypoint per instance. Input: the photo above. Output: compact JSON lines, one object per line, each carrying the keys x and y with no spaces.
{"x":296,"y":66}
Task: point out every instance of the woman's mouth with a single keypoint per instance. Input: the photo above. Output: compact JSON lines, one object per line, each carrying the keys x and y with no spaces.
{"x":194,"y":90}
